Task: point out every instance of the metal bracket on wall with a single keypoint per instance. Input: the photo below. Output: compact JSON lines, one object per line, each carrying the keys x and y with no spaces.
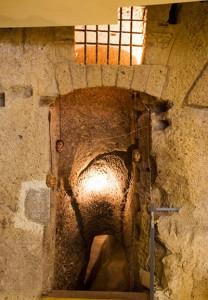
{"x":154,"y":211}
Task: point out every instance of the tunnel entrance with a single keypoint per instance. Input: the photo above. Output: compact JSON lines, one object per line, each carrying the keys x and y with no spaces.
{"x":98,"y":162}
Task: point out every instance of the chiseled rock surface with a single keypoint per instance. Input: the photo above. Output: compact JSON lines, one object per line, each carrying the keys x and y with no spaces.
{"x":198,"y":94}
{"x":182,"y":167}
{"x":184,"y":236}
{"x":26,"y":71}
{"x":181,"y":149}
{"x":176,"y":56}
{"x":20,"y":262}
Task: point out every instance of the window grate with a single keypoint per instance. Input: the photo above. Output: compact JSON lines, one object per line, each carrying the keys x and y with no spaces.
{"x":120,"y":43}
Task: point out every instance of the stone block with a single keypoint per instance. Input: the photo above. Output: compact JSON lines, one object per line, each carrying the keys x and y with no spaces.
{"x":156,"y":80}
{"x":158,"y":45}
{"x":64,"y":52}
{"x":198,"y":94}
{"x":140,"y":77}
{"x":21,"y":264}
{"x":79,"y":78}
{"x":94,"y":75}
{"x":47,"y":85}
{"x":63,"y":78}
{"x":64,"y":43}
{"x":37,"y":205}
{"x":125,"y":75}
{"x":109,"y":75}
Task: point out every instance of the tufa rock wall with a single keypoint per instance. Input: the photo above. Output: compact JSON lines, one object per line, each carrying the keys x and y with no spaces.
{"x":37,"y":66}
{"x":28,"y":58}
{"x":181,"y":149}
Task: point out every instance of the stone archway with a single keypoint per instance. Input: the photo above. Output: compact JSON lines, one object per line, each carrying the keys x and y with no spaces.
{"x":72,"y":77}
{"x":149,"y":79}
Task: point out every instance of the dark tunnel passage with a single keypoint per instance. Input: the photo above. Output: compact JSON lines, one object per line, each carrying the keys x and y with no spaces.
{"x":96,"y":190}
{"x":96,"y":206}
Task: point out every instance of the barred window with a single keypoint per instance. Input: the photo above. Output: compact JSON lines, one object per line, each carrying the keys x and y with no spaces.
{"x":120,"y":43}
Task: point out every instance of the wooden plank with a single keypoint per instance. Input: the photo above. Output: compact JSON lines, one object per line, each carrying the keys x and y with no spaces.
{"x":78,"y":295}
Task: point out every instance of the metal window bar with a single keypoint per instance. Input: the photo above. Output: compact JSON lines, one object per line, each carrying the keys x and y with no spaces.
{"x":131,"y":29}
{"x":108,"y":45}
{"x":87,"y":31}
{"x":96,"y":59}
{"x":85,"y":45}
{"x":120,"y":33}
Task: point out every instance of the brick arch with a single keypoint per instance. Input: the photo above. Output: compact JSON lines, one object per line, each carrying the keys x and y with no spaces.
{"x":149,"y":79}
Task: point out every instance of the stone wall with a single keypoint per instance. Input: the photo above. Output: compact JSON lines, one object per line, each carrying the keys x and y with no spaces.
{"x":28,"y":58}
{"x":37,"y":65}
{"x":181,"y":149}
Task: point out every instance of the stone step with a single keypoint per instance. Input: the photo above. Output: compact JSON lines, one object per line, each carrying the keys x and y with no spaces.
{"x":81,"y":295}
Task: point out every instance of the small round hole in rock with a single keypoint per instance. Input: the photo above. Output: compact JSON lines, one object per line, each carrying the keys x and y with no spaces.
{"x":161,"y":107}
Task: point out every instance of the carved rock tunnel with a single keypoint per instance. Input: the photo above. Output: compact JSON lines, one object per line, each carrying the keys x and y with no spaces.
{"x":96,"y":184}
